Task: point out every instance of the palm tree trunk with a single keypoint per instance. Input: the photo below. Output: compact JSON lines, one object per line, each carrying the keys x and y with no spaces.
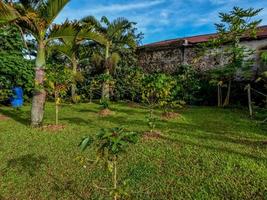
{"x":39,"y":94}
{"x":105,"y":87}
{"x":73,"y":85}
{"x":227,"y":99}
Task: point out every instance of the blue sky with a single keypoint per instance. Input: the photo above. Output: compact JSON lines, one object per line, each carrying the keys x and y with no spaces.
{"x":161,"y":19}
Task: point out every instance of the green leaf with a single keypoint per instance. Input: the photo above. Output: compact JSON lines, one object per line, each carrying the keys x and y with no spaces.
{"x":86,"y":142}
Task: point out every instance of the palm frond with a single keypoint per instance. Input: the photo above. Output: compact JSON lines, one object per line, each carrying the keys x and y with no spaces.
{"x":50,"y":9}
{"x":91,"y":20}
{"x":118,"y":27}
{"x":32,"y":5}
{"x":28,"y":23}
{"x":61,"y":48}
{"x":88,"y":33}
{"x":7,"y":13}
{"x":66,"y":31}
{"x":105,"y":20}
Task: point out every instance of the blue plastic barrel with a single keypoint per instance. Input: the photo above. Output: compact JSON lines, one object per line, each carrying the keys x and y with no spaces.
{"x":17,"y":98}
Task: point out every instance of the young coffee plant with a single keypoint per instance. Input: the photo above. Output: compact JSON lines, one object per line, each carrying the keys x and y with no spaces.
{"x":57,"y":84}
{"x":151,"y":121}
{"x":104,"y":104}
{"x":110,"y":144}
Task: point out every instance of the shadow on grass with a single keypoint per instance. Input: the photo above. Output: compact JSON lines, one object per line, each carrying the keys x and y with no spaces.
{"x":76,"y":120}
{"x":28,"y":163}
{"x":218,"y":148}
{"x":121,"y":121}
{"x":17,"y":115}
{"x":87,"y":110}
{"x":132,"y":111}
{"x":65,"y":186}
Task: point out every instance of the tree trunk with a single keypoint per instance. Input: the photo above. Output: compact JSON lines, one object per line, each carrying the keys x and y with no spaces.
{"x":39,"y":94}
{"x":73,"y":85}
{"x":105,"y":87}
{"x":250,"y":101}
{"x":227,"y":98}
{"x":219,"y":95}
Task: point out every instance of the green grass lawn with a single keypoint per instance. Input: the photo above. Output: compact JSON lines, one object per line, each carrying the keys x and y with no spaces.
{"x":208,"y":153}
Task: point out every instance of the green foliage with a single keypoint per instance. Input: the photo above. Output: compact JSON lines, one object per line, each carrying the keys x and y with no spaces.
{"x":158,"y":90}
{"x":264,"y":74}
{"x":111,"y":142}
{"x":15,"y":70}
{"x":92,"y":87}
{"x":104,"y":104}
{"x":264,"y":57}
{"x":109,"y":145}
{"x":237,"y":60}
{"x":151,"y":121}
{"x":129,"y":83}
{"x":58,"y":79}
{"x":187,"y":84}
{"x":235,"y":25}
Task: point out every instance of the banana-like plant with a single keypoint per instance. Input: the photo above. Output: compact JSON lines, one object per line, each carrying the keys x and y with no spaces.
{"x":36,"y":17}
{"x":70,"y":46}
{"x":109,"y":145}
{"x":120,"y":36}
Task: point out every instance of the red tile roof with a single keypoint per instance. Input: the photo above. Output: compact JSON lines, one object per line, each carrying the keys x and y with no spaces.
{"x":262,"y":33}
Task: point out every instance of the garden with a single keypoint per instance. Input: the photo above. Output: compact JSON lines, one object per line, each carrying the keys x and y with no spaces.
{"x":80,"y":119}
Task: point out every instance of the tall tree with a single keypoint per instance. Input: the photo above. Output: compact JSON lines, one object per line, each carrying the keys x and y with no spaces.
{"x":71,"y":46}
{"x":120,"y":35}
{"x":36,"y":18}
{"x":234,"y":26}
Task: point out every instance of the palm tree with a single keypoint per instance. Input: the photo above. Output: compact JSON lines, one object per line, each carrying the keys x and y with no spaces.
{"x":71,"y":46}
{"x":35,"y":17}
{"x":8,"y":13}
{"x":119,"y":36}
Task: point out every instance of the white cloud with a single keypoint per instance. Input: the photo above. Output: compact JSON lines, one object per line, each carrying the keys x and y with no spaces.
{"x":100,"y":10}
{"x":163,"y":19}
{"x":124,"y":7}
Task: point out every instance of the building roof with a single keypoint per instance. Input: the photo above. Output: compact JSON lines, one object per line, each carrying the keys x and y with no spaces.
{"x":262,"y":33}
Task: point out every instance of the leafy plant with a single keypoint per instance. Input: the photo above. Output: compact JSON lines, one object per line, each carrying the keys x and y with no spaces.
{"x":121,"y":37}
{"x":36,"y":19}
{"x":15,"y":70}
{"x":128,"y":85}
{"x":57,"y":83}
{"x":71,"y":47}
{"x":110,"y":144}
{"x":104,"y":104}
{"x":237,"y":59}
{"x":187,"y":84}
{"x":151,"y":121}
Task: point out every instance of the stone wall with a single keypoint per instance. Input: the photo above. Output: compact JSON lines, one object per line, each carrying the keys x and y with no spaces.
{"x":167,"y":60}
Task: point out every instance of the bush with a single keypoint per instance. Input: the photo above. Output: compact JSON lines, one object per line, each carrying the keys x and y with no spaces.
{"x":15,"y":70}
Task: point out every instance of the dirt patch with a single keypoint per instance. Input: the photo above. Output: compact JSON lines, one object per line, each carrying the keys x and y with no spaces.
{"x":105,"y":112}
{"x":154,"y":135}
{"x":169,"y":115}
{"x":53,"y":127}
{"x":4,"y":118}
